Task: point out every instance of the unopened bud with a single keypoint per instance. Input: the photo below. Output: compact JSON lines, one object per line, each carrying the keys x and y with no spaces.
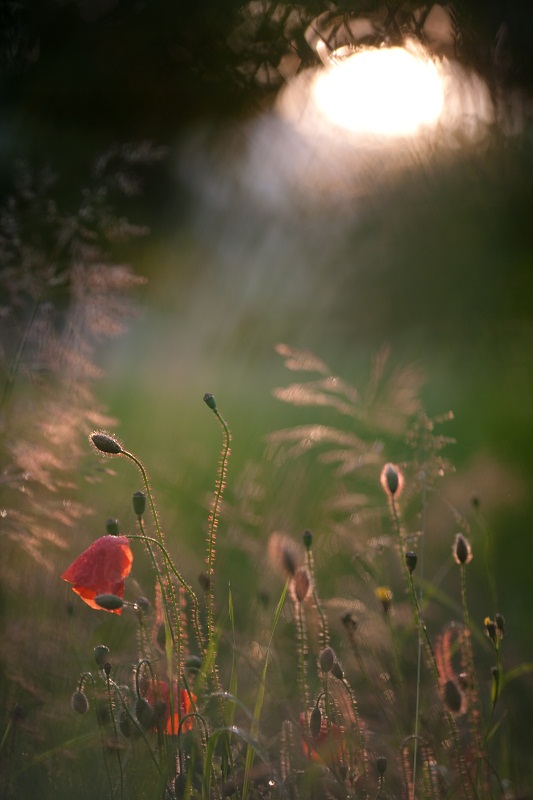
{"x":79,"y":702}
{"x":143,"y":604}
{"x":210,"y":401}
{"x":381,"y":765}
{"x":193,"y":664}
{"x":144,"y":713}
{"x":462,"y":552}
{"x":391,"y":480}
{"x":139,"y":503}
{"x":411,"y":560}
{"x":500,"y":624}
{"x":301,"y":584}
{"x":105,"y":443}
{"x":109,"y":602}
{"x":337,"y":671}
{"x":307,"y":539}
{"x":107,"y":668}
{"x":101,"y":654}
{"x":490,"y":628}
{"x":452,"y":697}
{"x":326,"y":659}
{"x":112,"y":526}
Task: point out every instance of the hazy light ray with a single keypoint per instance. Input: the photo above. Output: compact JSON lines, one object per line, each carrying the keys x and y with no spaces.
{"x":386,"y":92}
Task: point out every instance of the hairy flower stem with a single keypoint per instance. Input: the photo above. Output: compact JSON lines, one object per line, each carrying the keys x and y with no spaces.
{"x":214,"y":516}
{"x":188,"y":588}
{"x":324,"y":630}
{"x":430,"y":653}
{"x":170,"y":603}
{"x":114,"y":723}
{"x":301,"y":644}
{"x":472,"y":688}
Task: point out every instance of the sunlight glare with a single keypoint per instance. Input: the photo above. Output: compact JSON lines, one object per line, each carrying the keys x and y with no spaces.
{"x":387,"y":92}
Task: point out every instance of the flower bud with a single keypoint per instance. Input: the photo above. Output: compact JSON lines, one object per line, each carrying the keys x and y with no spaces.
{"x":326,"y":659}
{"x":109,"y":602}
{"x":193,"y":664}
{"x":381,"y":765}
{"x":307,"y":539}
{"x":139,"y":503}
{"x":411,"y":559}
{"x":490,"y":628}
{"x":107,"y":668}
{"x":337,"y":671}
{"x":101,"y":654}
{"x":210,"y":401}
{"x":143,"y":604}
{"x":144,"y":713}
{"x":112,"y":526}
{"x":462,"y":552}
{"x":499,"y":619}
{"x":452,"y":697}
{"x":391,"y":480}
{"x":301,"y":584}
{"x":315,"y":722}
{"x":105,"y":443}
{"x":79,"y":702}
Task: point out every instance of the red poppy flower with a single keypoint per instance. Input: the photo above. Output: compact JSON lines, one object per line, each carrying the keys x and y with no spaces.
{"x":186,"y":705}
{"x":101,"y":569}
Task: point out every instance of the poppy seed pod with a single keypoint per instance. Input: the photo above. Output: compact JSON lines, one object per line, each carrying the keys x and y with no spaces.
{"x":105,"y":443}
{"x":462,"y":552}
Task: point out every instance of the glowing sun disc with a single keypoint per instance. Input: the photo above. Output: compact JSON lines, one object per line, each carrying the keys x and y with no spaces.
{"x":386,"y":92}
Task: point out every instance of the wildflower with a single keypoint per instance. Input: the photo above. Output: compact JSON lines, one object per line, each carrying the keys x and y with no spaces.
{"x":384,"y":595}
{"x":101,"y":569}
{"x":391,"y":480}
{"x":158,"y":694}
{"x":462,"y":552}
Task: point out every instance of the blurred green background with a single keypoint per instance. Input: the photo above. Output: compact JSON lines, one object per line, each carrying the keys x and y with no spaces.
{"x":435,"y":263}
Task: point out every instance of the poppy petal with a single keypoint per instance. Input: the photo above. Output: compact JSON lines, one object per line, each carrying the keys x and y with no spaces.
{"x":101,"y":569}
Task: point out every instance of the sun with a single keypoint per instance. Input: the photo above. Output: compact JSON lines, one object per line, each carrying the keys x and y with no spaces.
{"x":388,"y":91}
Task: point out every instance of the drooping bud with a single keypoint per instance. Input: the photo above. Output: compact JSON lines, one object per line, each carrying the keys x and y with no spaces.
{"x":307,"y":539}
{"x":301,"y":584}
{"x":112,"y":526}
{"x":210,"y":401}
{"x":105,"y":443}
{"x":144,"y":713}
{"x":326,"y":659}
{"x":109,"y":602}
{"x":101,"y":654}
{"x":139,"y":503}
{"x":391,"y":480}
{"x":337,"y":671}
{"x":381,"y":765}
{"x":462,"y":552}
{"x":79,"y":702}
{"x":500,"y":624}
{"x":143,"y":604}
{"x":315,"y":722}
{"x":453,"y":698}
{"x":411,"y":560}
